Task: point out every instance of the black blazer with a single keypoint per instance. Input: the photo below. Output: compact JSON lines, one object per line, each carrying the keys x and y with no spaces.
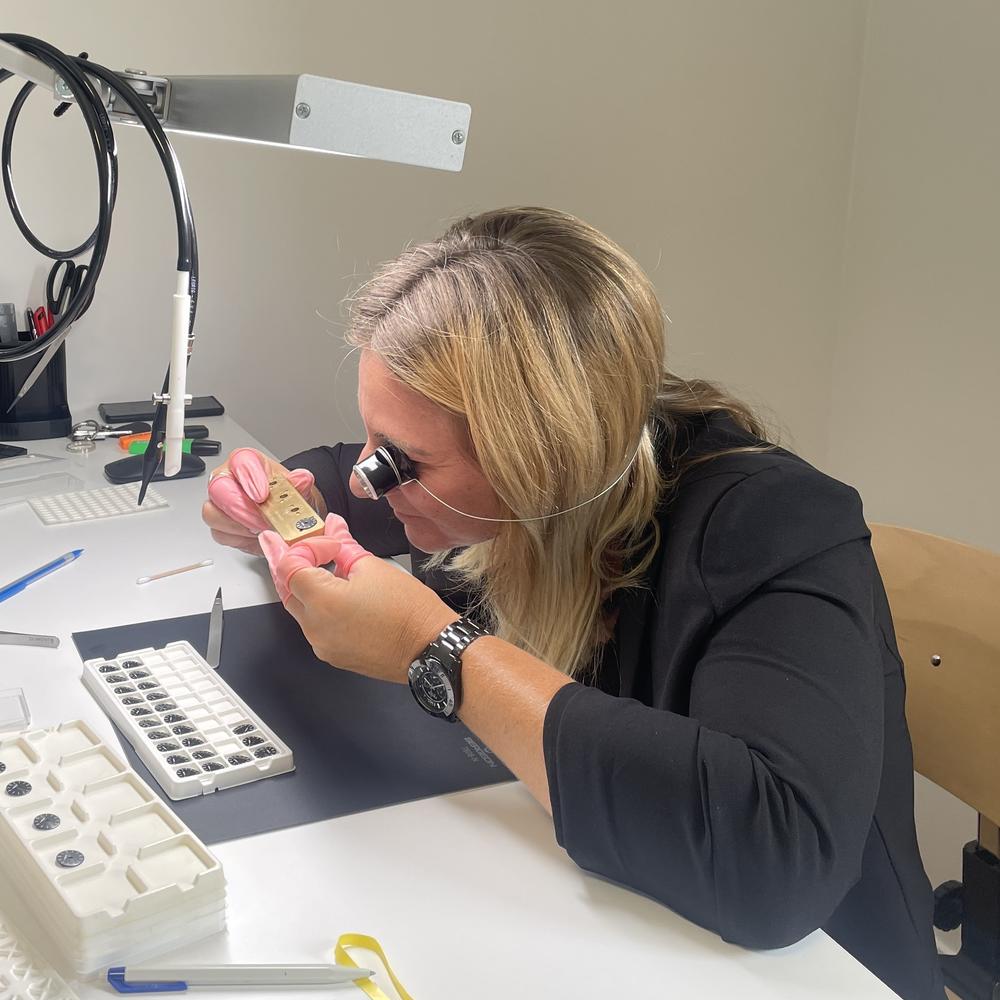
{"x":742,"y":754}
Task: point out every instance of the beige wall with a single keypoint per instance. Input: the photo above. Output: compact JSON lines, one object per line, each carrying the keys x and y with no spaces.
{"x":830,"y":257}
{"x":913,"y":421}
{"x":711,"y":139}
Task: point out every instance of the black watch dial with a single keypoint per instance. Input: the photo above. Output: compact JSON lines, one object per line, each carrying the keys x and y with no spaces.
{"x":432,"y":687}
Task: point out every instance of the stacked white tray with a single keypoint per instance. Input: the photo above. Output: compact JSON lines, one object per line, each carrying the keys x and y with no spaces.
{"x":96,"y":857}
{"x":23,"y":974}
{"x":189,"y":727}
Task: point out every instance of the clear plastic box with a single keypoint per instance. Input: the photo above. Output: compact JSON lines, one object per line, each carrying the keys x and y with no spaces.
{"x":14,"y":713}
{"x":25,"y":476}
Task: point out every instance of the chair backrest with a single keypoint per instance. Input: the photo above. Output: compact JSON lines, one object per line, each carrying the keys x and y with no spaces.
{"x":945,"y":600}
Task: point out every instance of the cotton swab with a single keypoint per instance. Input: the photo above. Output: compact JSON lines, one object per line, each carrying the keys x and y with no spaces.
{"x":171,"y":572}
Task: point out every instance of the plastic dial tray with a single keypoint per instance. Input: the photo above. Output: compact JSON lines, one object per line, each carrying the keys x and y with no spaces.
{"x":186,"y":723}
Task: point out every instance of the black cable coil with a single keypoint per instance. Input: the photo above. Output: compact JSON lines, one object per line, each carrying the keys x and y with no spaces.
{"x":76,"y":72}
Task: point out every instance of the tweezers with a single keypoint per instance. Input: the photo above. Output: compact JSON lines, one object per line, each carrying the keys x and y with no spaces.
{"x":27,"y":639}
{"x":215,"y":632}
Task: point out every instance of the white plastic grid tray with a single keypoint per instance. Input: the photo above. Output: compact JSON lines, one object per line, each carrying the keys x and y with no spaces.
{"x":96,"y":857}
{"x":186,"y":723}
{"x":24,"y":975}
{"x":92,"y":505}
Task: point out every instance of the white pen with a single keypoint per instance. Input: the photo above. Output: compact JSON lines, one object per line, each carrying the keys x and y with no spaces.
{"x":159,"y":979}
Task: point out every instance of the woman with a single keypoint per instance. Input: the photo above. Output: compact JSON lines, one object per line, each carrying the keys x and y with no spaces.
{"x":692,"y":663}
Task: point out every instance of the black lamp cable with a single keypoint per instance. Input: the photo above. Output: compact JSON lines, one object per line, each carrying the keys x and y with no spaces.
{"x":76,"y":71}
{"x":102,"y":139}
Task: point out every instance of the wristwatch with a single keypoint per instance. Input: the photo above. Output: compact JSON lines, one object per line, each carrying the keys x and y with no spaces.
{"x":436,"y":674}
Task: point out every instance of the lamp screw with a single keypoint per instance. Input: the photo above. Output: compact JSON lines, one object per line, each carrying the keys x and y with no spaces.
{"x":303,"y":110}
{"x":458,"y":137}
{"x":935,"y":660}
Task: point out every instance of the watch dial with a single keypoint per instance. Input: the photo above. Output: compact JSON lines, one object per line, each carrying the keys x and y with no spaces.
{"x":433,"y":688}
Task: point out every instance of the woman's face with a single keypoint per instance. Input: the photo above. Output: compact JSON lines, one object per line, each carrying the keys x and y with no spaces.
{"x":438,"y":445}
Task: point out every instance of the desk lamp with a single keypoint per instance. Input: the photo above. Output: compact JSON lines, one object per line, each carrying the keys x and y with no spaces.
{"x":300,"y":112}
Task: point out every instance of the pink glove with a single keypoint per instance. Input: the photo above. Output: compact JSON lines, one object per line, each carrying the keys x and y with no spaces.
{"x":238,"y":491}
{"x":335,"y":545}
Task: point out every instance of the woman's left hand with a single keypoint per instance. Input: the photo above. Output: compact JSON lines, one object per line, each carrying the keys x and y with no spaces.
{"x":371,"y":617}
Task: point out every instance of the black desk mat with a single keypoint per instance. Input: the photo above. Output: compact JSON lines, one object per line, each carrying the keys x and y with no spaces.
{"x":359,"y":744}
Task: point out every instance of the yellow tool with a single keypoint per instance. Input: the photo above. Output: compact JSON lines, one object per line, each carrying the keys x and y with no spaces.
{"x":287,"y":511}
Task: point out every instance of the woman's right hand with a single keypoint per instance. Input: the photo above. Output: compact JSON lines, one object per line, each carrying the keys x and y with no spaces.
{"x":237,"y":487}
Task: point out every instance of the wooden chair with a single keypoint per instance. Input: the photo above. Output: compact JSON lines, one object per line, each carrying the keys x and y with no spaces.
{"x":945,"y":600}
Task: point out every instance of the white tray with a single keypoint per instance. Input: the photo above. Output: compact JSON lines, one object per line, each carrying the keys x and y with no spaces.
{"x":186,"y":723}
{"x":152,"y":938}
{"x":23,"y":974}
{"x":94,"y":853}
{"x":92,"y":505}
{"x":147,"y":939}
{"x":129,"y":934}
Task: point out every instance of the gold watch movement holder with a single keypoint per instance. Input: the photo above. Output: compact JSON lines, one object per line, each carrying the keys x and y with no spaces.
{"x":288,"y":513}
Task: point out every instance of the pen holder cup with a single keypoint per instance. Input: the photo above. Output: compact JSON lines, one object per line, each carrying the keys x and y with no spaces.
{"x":44,"y":410}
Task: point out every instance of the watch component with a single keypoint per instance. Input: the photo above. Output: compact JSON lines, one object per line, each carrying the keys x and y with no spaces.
{"x":46,"y":821}
{"x":289,"y":513}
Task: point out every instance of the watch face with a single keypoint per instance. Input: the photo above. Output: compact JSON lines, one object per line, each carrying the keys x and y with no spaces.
{"x":432,"y":687}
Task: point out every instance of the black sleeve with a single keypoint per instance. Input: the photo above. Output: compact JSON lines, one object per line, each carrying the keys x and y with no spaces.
{"x":749,"y":815}
{"x":371,"y":522}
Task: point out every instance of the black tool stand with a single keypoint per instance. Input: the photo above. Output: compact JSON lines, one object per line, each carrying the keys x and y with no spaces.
{"x":44,"y":410}
{"x":129,"y":470}
{"x":974,"y":973}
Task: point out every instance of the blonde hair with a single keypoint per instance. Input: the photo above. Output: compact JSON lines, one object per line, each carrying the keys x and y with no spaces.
{"x":548,"y":340}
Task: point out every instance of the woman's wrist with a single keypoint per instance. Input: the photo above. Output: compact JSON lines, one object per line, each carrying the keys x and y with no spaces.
{"x":506,"y":694}
{"x":423,"y":632}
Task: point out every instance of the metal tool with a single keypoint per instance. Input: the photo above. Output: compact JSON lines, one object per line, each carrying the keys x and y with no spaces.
{"x":28,"y":639}
{"x":85,"y":432}
{"x":215,"y":632}
{"x":40,"y":365}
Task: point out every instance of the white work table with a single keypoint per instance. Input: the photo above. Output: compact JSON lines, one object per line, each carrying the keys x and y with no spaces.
{"x":469,"y":893}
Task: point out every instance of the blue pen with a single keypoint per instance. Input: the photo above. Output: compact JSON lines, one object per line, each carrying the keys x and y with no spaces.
{"x":18,"y":585}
